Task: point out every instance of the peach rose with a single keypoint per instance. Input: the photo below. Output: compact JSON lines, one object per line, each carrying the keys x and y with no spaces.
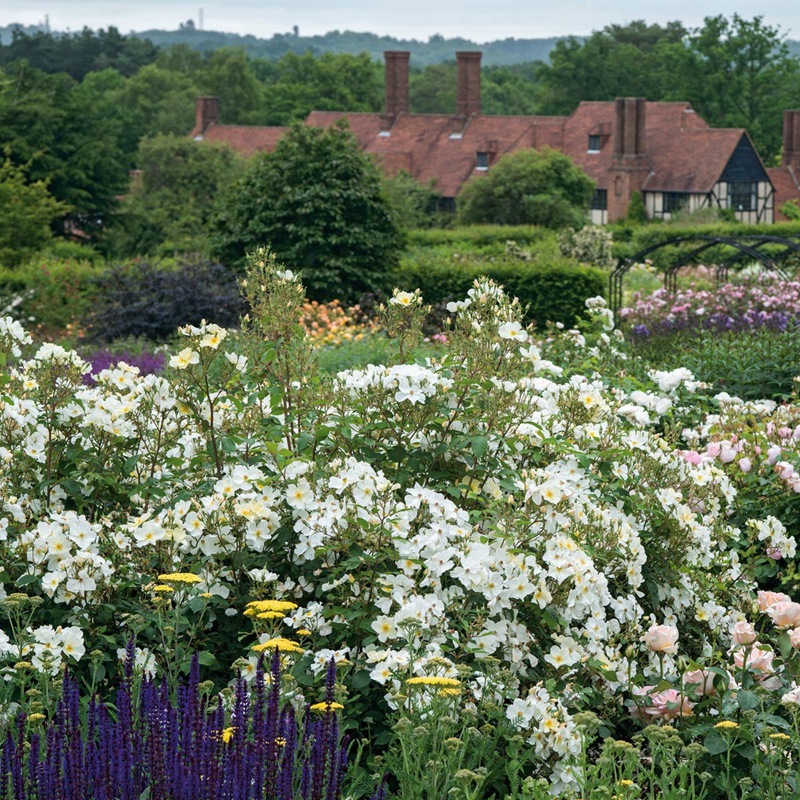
{"x":743,"y":633}
{"x":794,"y":637}
{"x":785,"y":614}
{"x":767,"y":599}
{"x":662,"y":639}
{"x":757,"y":659}
{"x":699,"y":681}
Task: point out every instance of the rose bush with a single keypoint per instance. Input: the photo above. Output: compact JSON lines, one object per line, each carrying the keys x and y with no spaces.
{"x":512,"y":522}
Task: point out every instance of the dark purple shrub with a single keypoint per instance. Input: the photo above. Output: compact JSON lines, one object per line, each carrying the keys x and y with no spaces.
{"x":142,"y":299}
{"x":189,"y":748}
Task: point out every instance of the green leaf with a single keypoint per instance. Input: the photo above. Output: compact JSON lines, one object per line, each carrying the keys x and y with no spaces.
{"x":716,"y":743}
{"x":208,"y":659}
{"x":26,"y":580}
{"x":747,"y":700}
{"x":785,"y":645}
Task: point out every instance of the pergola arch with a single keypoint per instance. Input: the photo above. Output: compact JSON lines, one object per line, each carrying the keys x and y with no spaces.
{"x":745,"y":245}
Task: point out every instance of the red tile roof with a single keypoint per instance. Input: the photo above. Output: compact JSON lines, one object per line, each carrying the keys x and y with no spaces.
{"x":244,"y":139}
{"x":682,"y":152}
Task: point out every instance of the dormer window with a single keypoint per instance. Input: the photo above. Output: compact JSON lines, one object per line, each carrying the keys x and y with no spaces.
{"x":594,"y":142}
{"x":482,"y":161}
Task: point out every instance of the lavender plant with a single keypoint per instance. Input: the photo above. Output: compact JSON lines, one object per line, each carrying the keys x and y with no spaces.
{"x":193,"y":748}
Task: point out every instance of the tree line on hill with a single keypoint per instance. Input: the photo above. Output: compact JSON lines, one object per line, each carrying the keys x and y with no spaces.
{"x":78,"y":111}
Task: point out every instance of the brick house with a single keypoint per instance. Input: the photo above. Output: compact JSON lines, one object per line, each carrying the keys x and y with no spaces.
{"x":664,"y":151}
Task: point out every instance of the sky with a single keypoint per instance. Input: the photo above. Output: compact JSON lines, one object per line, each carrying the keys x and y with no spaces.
{"x":478,"y":20}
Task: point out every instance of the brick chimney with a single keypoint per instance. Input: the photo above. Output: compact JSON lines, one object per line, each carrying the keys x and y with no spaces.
{"x":791,"y":139}
{"x":629,"y":136}
{"x":396,"y":82}
{"x":468,"y":98}
{"x":206,"y":114}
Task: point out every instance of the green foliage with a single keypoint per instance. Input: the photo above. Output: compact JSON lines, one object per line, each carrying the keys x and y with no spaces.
{"x":637,"y":213}
{"x":470,"y":237}
{"x":413,"y":205}
{"x":317,"y":201}
{"x":791,"y":210}
{"x":169,"y":208}
{"x":752,"y":365}
{"x":49,"y":293}
{"x":26,"y":211}
{"x":64,"y":137}
{"x":529,"y":187}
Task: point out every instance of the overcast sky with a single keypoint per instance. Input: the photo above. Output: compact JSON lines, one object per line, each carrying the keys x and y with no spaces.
{"x":479,"y":20}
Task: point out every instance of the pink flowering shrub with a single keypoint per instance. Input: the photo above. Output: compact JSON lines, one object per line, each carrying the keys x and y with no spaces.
{"x":761,"y":302}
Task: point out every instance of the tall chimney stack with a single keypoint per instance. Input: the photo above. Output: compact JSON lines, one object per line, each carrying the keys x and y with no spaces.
{"x":206,"y":113}
{"x":629,"y":137}
{"x":468,"y":99}
{"x":396,"y":82}
{"x":791,"y":139}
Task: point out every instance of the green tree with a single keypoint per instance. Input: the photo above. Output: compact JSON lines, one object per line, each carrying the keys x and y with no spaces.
{"x":317,"y":201}
{"x":529,"y":187}
{"x":171,"y":203}
{"x":413,"y":204}
{"x":739,"y":73}
{"x":26,"y":211}
{"x":229,"y":76}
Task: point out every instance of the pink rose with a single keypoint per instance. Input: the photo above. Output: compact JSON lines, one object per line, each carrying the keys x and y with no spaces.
{"x":666,"y":705}
{"x":794,"y":637}
{"x":662,"y":639}
{"x":713,"y":449}
{"x":745,"y":465}
{"x":785,"y":614}
{"x":767,"y":599}
{"x":743,"y":633}
{"x":757,"y":659}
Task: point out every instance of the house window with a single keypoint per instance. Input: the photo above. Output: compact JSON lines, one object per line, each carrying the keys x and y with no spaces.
{"x":675,"y":201}
{"x":594,"y":142}
{"x":482,"y":161}
{"x":742,"y":195}
{"x":600,"y":200}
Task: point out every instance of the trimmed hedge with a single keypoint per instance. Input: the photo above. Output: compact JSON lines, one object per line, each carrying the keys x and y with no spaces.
{"x":479,"y":235}
{"x":553,"y":292}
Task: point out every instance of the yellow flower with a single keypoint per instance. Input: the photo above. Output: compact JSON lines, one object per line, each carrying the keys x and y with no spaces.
{"x":180,"y":577}
{"x":163,"y":588}
{"x":304,"y":632}
{"x":727,"y":724}
{"x":227,"y":734}
{"x":280,"y":741}
{"x":626,"y":782}
{"x":780,"y":737}
{"x":35,"y":717}
{"x":271,"y":615}
{"x":434,"y":680}
{"x":326,"y":706}
{"x":449,"y":692}
{"x":284,"y":645}
{"x":259,"y":606}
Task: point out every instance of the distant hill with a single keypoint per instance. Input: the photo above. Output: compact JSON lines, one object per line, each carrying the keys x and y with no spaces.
{"x":435,"y":50}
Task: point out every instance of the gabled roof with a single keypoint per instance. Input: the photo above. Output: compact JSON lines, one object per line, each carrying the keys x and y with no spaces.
{"x":682,"y":153}
{"x":246,"y":140}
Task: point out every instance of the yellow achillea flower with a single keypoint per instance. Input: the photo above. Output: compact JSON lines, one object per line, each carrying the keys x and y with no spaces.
{"x":304,"y":632}
{"x":780,"y":737}
{"x":163,"y":588}
{"x":626,"y":782}
{"x":434,"y":680}
{"x":259,"y":606}
{"x":727,"y":724}
{"x":326,"y":706}
{"x":271,"y":615}
{"x":284,"y":645}
{"x":227,"y":734}
{"x":35,"y":717}
{"x":449,"y":692}
{"x":180,"y":577}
